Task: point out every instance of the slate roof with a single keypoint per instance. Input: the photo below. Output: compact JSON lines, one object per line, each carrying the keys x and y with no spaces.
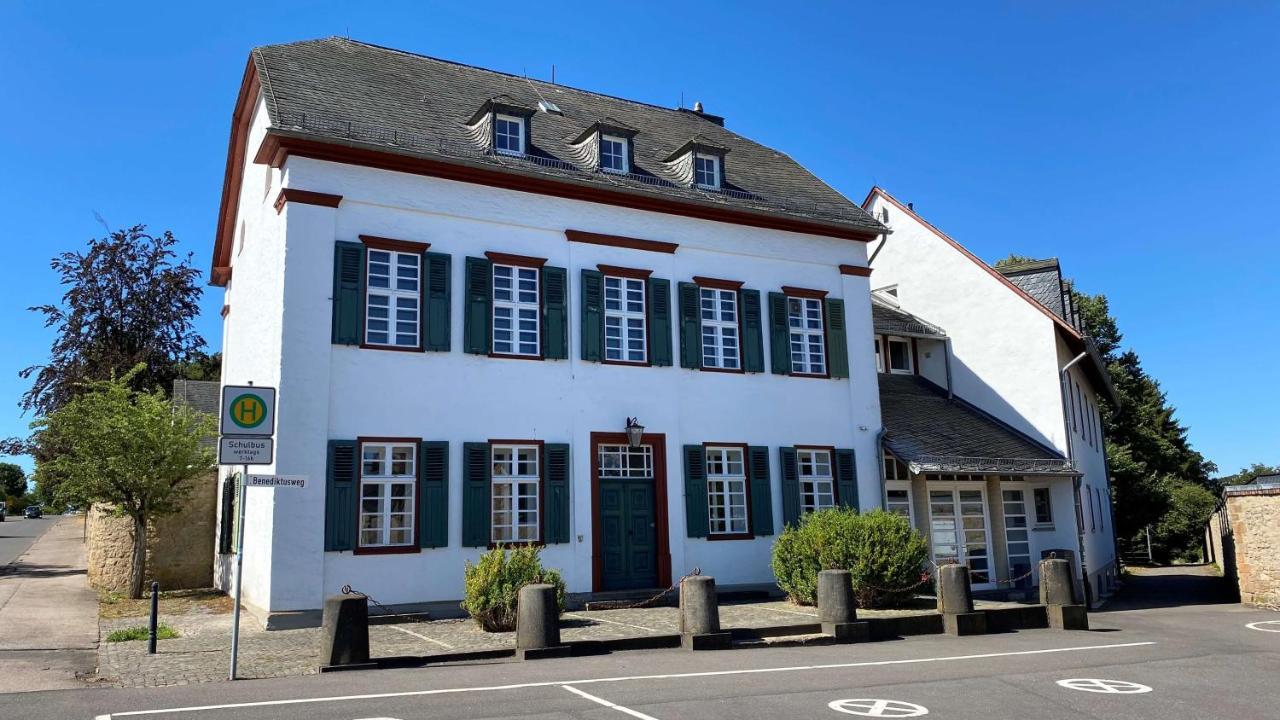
{"x":890,"y":320}
{"x":1042,"y":280}
{"x":931,"y":433}
{"x":340,"y":89}
{"x":203,"y":395}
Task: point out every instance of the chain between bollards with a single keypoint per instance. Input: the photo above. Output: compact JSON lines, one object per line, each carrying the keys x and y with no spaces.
{"x":153,"y":624}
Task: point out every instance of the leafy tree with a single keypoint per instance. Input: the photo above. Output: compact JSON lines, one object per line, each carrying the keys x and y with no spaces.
{"x":13,"y":480}
{"x":129,"y":301}
{"x":1246,"y":475}
{"x":137,"y":451}
{"x":1179,"y":534}
{"x":202,"y":367}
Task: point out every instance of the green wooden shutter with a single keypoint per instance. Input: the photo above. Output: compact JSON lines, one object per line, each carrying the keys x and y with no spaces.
{"x":436,"y":301}
{"x":348,"y":293}
{"x":779,"y":336}
{"x":690,"y":326}
{"x":695,"y":491}
{"x":555,"y":473}
{"x":790,"y":486}
{"x":340,"y":496}
{"x":555,"y":313}
{"x":752,"y":332}
{"x":761,"y":491}
{"x":433,"y":494}
{"x":659,"y":322}
{"x":477,"y":318}
{"x":592,"y":315}
{"x":846,"y":479}
{"x":837,"y":340}
{"x":475,"y":494}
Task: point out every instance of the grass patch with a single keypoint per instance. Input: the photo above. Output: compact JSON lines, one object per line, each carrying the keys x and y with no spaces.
{"x":163,"y":632}
{"x":112,"y":605}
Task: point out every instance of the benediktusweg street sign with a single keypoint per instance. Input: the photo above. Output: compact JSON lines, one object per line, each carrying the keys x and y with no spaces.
{"x":248,"y":410}
{"x":235,"y":450}
{"x":276,"y":481}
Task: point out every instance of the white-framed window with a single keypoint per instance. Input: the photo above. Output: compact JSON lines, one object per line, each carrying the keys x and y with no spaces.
{"x":879,"y":356}
{"x":393,"y":298}
{"x":517,"y":482}
{"x":625,"y":338}
{"x":388,"y":479}
{"x":895,"y":469}
{"x":900,"y":360}
{"x":516,"y":311}
{"x":720,"y":347}
{"x":613,"y":154}
{"x":897,"y":500}
{"x":727,"y":491}
{"x":625,"y":462}
{"x":706,"y":171}
{"x":1042,"y":502}
{"x":508,"y":134}
{"x":808,"y":338}
{"x":1017,"y":534}
{"x":817,"y":485}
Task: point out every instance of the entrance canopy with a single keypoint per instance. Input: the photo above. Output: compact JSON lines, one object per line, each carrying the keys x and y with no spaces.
{"x":934,"y":434}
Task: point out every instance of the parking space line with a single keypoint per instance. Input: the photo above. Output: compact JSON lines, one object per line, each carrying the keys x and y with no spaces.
{"x":790,"y":612}
{"x":424,"y":637}
{"x":611,"y":622}
{"x":606,"y":703}
{"x":626,"y":678}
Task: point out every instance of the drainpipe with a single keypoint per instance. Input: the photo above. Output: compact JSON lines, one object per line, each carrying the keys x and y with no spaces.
{"x":874,"y":253}
{"x":1071,"y":457}
{"x":946,"y":358}
{"x":884,"y":489}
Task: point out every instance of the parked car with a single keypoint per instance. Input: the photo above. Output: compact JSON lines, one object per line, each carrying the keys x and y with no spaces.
{"x":33,"y":511}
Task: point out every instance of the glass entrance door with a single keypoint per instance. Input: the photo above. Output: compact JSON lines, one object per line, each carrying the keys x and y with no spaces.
{"x":958,"y":529}
{"x":1015,"y":532}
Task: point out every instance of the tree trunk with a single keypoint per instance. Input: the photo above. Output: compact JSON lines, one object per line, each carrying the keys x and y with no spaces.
{"x":139,"y":570}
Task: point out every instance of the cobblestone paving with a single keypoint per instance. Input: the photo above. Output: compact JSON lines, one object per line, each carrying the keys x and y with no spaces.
{"x":202,"y":652}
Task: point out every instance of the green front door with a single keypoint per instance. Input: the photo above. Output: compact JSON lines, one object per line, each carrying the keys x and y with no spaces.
{"x":629,"y":545}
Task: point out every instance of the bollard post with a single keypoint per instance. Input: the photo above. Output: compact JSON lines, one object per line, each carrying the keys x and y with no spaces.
{"x":538,"y":623}
{"x":153,"y":623}
{"x":1057,"y":594}
{"x":838,"y":609}
{"x":700,"y":615}
{"x":955,"y":602}
{"x":344,"y":640}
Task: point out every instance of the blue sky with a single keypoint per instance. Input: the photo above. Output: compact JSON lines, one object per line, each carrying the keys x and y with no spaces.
{"x":1136,"y":143}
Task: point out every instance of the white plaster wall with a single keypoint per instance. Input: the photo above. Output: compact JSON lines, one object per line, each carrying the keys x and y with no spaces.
{"x":1003,"y":348}
{"x":1098,"y":530}
{"x":331,"y":391}
{"x":932,"y":358}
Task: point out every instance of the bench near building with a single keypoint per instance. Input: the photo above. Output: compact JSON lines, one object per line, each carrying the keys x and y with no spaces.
{"x":500,"y":310}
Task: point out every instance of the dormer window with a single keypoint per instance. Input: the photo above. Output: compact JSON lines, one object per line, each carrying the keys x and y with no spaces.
{"x":706,"y":171}
{"x":613,"y":154}
{"x":508,"y":134}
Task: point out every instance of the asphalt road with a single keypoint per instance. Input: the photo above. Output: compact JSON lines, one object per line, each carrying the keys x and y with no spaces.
{"x":17,"y":534}
{"x":1198,"y":660}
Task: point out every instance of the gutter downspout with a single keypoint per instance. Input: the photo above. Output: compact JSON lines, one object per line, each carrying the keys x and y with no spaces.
{"x":1071,"y":458}
{"x":884,"y":489}
{"x":946,"y":357}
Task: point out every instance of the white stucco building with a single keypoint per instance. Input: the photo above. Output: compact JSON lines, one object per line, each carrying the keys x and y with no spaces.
{"x":989,"y":395}
{"x":464,"y":283}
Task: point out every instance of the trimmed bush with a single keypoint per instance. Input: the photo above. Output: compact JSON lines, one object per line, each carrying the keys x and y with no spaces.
{"x":493,"y":585}
{"x":880,"y":550}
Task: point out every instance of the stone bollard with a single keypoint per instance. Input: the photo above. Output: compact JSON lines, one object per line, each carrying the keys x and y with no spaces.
{"x":837,"y":608}
{"x":345,"y":637}
{"x":955,"y":602}
{"x":538,"y":624}
{"x":1057,"y":594}
{"x":700,"y":615}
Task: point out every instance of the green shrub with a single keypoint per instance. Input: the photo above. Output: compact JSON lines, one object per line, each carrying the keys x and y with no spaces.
{"x":881,"y":551}
{"x":493,"y":584}
{"x":163,"y":632}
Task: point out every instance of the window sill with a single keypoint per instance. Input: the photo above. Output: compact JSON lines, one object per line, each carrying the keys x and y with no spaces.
{"x":519,"y":544}
{"x":514,"y":356}
{"x":1042,"y":528}
{"x":391,"y":550}
{"x":815,"y":376}
{"x":394,"y":348}
{"x":731,"y":371}
{"x":730,"y":536}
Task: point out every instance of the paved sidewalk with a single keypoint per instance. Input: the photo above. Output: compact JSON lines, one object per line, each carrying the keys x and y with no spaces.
{"x":48,"y":614}
{"x":202,"y":653}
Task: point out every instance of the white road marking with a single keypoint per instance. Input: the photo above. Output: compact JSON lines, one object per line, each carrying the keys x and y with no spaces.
{"x":1275,"y":623}
{"x":1110,"y":687}
{"x":424,"y":637}
{"x":790,"y":612}
{"x":624,"y":678}
{"x":878,"y":708}
{"x":611,"y":622}
{"x":606,"y":703}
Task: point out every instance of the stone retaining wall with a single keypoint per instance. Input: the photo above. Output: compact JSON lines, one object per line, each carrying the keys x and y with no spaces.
{"x":1254,"y":516}
{"x":180,"y":547}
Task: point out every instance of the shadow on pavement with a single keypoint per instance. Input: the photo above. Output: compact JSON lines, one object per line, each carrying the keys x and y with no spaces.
{"x":1172,"y":586}
{"x":39,"y":571}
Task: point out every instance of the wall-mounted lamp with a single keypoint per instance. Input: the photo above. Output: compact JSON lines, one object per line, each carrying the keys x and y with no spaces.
{"x":635,"y":433}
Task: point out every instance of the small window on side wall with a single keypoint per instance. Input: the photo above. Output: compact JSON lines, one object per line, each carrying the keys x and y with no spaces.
{"x":613,"y":154}
{"x":1043,"y":506}
{"x":879,"y":357}
{"x":900,"y":360}
{"x":706,"y":171}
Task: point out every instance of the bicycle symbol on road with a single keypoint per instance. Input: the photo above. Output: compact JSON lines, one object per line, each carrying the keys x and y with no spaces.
{"x":878,"y":708}
{"x":1112,"y":687}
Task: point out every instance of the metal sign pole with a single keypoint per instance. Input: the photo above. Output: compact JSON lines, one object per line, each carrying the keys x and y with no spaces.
{"x":235,"y":611}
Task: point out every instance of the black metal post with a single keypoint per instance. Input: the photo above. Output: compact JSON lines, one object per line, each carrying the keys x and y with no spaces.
{"x":155,"y":615}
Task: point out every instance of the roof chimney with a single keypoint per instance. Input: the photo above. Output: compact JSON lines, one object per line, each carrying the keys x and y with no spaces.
{"x":697,"y":106}
{"x":911,"y":207}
